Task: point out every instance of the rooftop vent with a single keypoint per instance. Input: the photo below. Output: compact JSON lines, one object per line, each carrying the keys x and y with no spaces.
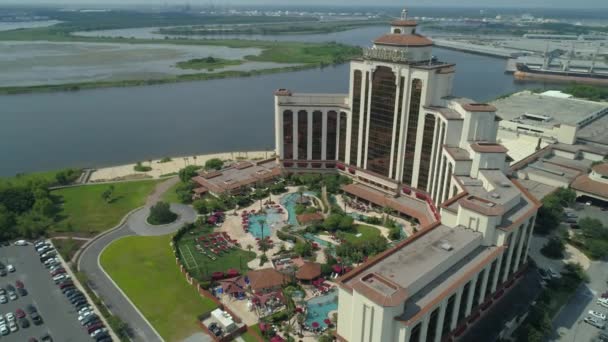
{"x":495,"y":195}
{"x":491,"y":205}
{"x":505,"y":184}
{"x":446,"y":246}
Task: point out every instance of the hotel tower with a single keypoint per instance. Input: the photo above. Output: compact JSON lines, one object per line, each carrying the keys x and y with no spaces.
{"x":409,"y":145}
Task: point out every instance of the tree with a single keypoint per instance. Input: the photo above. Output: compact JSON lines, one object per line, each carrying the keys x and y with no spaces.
{"x":32,"y":224}
{"x":249,"y":247}
{"x":346,"y":223}
{"x":200,"y":206}
{"x":554,"y":248}
{"x":214,"y":164}
{"x":161,"y":213}
{"x":332,"y":222}
{"x":17,"y":199}
{"x":549,"y":215}
{"x":107,"y":194}
{"x":566,"y":196}
{"x":184,"y":192}
{"x":7,"y":223}
{"x":187,"y":173}
{"x":303,"y":249}
{"x":263,"y":259}
{"x":45,"y":207}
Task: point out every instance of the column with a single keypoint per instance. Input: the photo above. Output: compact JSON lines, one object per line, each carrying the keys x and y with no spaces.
{"x":294,"y":118}
{"x":497,"y":273}
{"x":324,"y":136}
{"x":446,"y":182}
{"x":440,"y":319}
{"x":440,"y":177}
{"x":309,"y":140}
{"x":367,"y":99}
{"x":530,"y":230}
{"x":403,"y":129}
{"x":434,"y":154}
{"x":520,"y":245}
{"x":484,"y":283}
{"x":424,"y":329}
{"x":279,"y":138}
{"x":395,"y":114}
{"x":467,"y":311}
{"x":454,"y":318}
{"x":509,"y":256}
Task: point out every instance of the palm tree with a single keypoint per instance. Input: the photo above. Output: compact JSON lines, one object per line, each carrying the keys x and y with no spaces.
{"x":249,"y":247}
{"x":261,"y":222}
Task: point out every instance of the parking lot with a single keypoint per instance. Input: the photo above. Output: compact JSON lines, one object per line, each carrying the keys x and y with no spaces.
{"x":59,"y":317}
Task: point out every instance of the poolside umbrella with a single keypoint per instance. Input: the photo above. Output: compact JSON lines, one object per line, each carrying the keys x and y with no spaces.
{"x":315,"y":324}
{"x":277,"y":338}
{"x":327,"y":321}
{"x":337,"y":268}
{"x":212,"y":219}
{"x":217,"y":275}
{"x":299,"y":310}
{"x":263,"y":327}
{"x":232,"y":272}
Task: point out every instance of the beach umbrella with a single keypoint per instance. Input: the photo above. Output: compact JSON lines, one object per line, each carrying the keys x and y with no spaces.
{"x":315,"y":324}
{"x":232,"y":272}
{"x":327,"y":321}
{"x":337,"y":268}
{"x":263,"y":327}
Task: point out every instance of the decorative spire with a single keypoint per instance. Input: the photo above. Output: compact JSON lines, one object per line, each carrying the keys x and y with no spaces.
{"x":404,"y":14}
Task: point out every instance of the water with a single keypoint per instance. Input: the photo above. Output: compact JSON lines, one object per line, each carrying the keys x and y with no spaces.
{"x":14,"y":25}
{"x":103,"y":127}
{"x":289,"y":202}
{"x":270,"y":219}
{"x":318,"y":308}
{"x":316,"y":239}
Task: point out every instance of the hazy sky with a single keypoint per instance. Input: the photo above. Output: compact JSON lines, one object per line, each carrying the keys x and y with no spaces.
{"x":590,"y":4}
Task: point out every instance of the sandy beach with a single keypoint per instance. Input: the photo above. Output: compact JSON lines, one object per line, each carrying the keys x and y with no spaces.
{"x":127,"y":172}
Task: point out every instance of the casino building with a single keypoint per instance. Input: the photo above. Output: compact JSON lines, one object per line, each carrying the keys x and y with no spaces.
{"x":411,"y":146}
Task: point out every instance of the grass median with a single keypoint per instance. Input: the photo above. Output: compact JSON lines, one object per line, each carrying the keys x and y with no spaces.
{"x":145,"y":269}
{"x":85,"y":211}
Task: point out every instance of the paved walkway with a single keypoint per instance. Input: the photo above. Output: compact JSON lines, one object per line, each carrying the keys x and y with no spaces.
{"x":102,"y":284}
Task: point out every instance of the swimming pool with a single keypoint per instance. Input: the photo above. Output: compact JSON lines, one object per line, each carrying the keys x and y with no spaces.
{"x":289,"y":202}
{"x":318,"y":308}
{"x":271,"y":219}
{"x":316,"y":239}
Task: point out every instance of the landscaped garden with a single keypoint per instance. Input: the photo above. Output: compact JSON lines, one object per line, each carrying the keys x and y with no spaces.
{"x":204,"y":252}
{"x":366,"y":233}
{"x":159,"y":290}
{"x":91,"y":209}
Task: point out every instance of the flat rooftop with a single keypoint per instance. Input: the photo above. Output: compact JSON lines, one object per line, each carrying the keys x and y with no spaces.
{"x":537,"y":189}
{"x":419,"y":259}
{"x":552,"y":171}
{"x":596,"y":132}
{"x":559,"y":110}
{"x":305,"y":99}
{"x":238,"y":175}
{"x":442,"y":284}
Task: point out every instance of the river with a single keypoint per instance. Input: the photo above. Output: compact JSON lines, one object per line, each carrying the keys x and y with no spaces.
{"x":103,"y":127}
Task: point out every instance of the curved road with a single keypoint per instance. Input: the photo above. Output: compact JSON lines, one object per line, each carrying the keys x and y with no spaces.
{"x":102,"y":284}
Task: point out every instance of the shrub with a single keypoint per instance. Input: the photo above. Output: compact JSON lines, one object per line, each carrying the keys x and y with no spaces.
{"x":141,"y":168}
{"x":161,"y":213}
{"x":165,"y":160}
{"x":187,"y":173}
{"x":554,"y":248}
{"x":214,"y":164}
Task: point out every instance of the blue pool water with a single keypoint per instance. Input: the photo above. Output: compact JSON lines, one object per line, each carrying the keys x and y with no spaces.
{"x":289,"y":202}
{"x":314,"y":238}
{"x":271,"y":218}
{"x":318,"y":308}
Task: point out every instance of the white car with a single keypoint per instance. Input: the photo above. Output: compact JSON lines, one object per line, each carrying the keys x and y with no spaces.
{"x":603,"y":302}
{"x":85,"y":309}
{"x":3,"y":300}
{"x":10,"y":268}
{"x":60,"y":277}
{"x":10,"y":316}
{"x":98,"y":331}
{"x":13,"y":326}
{"x":597,"y":314}
{"x":595,"y":322}
{"x":21,"y":243}
{"x":84,"y":315}
{"x":3,"y":329}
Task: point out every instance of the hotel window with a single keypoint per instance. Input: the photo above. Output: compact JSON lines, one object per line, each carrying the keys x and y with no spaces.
{"x":415,"y":335}
{"x":432,"y":328}
{"x":354,"y":132}
{"x":332,"y":131}
{"x":427,"y":150}
{"x":517,"y":239}
{"x":477,"y":292}
{"x":381,"y":119}
{"x":412,"y":129}
{"x":302,"y":135}
{"x":463,"y":302}
{"x":317,"y":134}
{"x":398,"y":130}
{"x":287,"y":135}
{"x":447,"y":320}
{"x":342,"y":143}
{"x":449,"y":179}
{"x":524,"y":248}
{"x":365,"y":116}
{"x":490,"y":280}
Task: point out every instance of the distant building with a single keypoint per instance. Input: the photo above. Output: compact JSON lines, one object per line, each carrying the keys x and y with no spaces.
{"x":554,"y":116}
{"x":409,"y":145}
{"x":238,"y":178}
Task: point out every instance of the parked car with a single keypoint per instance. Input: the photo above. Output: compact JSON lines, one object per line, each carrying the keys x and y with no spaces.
{"x":84,"y":315}
{"x":3,"y":329}
{"x":594,"y":322}
{"x":66,"y":285}
{"x":12,"y":295}
{"x":92,"y":322}
{"x":19,"y":313}
{"x":597,"y":314}
{"x":94,"y":327}
{"x":10,"y":316}
{"x":3,"y":299}
{"x":10,"y":268}
{"x":3,"y":272}
{"x":21,"y":243}
{"x":22,"y":292}
{"x":98,"y":332}
{"x":19,"y":284}
{"x":553,"y":274}
{"x":12,"y":326}
{"x":58,"y":271}
{"x":46,"y":338}
{"x":36,"y":318}
{"x":89,"y":318}
{"x":24,"y":323}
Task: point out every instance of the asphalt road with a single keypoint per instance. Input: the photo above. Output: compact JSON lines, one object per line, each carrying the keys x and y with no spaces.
{"x":59,"y":316}
{"x":105,"y":288}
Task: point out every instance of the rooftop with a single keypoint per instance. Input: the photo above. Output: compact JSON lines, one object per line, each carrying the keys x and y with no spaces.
{"x":266,"y":278}
{"x":238,"y":175}
{"x":411,"y":266}
{"x":401,"y":22}
{"x":458,"y":153}
{"x":597,"y":132}
{"x":447,"y":113}
{"x":314,"y":100}
{"x":585,"y":184}
{"x":602,"y":169}
{"x":403,"y":40}
{"x":543,"y":110}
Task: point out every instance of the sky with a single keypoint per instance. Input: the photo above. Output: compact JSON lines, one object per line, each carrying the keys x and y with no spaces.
{"x":588,"y":4}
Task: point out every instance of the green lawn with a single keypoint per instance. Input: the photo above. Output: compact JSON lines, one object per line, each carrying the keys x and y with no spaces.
{"x":201,"y":266}
{"x":85,"y":211}
{"x":248,"y":337}
{"x":145,"y":269}
{"x":366,"y":233}
{"x":170,"y":196}
{"x":46,"y":176}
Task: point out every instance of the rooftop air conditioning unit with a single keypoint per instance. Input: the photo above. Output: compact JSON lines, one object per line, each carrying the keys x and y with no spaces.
{"x":446,"y":246}
{"x":495,"y":195}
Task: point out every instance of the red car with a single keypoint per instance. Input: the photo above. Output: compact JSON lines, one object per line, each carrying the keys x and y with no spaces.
{"x":605,"y":294}
{"x":19,"y":313}
{"x":94,"y":327}
{"x":19,"y":284}
{"x":66,"y":284}
{"x":57,"y":271}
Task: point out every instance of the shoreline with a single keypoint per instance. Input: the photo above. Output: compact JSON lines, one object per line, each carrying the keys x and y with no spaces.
{"x":124,"y":172}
